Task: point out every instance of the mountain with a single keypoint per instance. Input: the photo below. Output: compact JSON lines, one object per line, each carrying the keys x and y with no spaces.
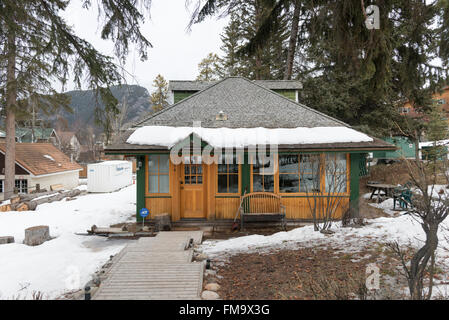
{"x":83,"y":105}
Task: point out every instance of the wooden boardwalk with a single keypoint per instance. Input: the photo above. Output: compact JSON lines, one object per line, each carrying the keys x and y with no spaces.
{"x":155,"y":268}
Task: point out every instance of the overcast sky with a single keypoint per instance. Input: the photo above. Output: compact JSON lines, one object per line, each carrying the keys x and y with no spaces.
{"x":175,"y":53}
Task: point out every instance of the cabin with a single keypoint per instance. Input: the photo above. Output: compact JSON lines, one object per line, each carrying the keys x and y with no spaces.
{"x":39,"y":166}
{"x":197,"y":158}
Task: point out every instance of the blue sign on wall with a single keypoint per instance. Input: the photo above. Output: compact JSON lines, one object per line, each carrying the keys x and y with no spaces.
{"x":144,"y":212}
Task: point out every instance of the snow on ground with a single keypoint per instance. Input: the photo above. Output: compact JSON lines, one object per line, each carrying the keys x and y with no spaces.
{"x":402,"y":228}
{"x":67,"y":262}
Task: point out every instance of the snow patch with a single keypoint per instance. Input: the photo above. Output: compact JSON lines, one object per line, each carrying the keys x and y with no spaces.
{"x":68,"y":261}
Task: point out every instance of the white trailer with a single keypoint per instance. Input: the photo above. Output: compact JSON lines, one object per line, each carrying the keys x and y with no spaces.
{"x":109,"y":176}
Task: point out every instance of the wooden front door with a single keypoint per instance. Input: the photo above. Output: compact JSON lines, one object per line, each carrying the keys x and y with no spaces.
{"x":192,"y":191}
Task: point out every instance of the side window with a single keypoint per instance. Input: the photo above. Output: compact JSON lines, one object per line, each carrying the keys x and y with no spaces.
{"x":335,"y":173}
{"x":158,"y":173}
{"x":228,"y":176}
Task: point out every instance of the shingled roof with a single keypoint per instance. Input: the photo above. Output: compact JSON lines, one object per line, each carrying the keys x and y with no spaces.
{"x":42,"y":158}
{"x":188,"y":85}
{"x":246,"y":105}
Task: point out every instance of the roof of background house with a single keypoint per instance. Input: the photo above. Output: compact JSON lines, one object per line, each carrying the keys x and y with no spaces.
{"x":190,"y":85}
{"x":246,"y":105}
{"x":39,"y":133}
{"x":42,"y":158}
{"x":65,"y":136}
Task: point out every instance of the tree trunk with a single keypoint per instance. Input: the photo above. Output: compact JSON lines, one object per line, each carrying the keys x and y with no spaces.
{"x":11,"y":96}
{"x":293,"y":41}
{"x":420,"y":260}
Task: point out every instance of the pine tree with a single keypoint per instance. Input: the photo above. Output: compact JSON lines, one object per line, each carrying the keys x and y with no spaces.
{"x":209,"y":68}
{"x":231,"y":38}
{"x":38,"y":48}
{"x":268,"y":60}
{"x":159,"y":98}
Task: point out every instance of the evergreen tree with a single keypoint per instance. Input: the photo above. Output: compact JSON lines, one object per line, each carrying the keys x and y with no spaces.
{"x":38,"y":48}
{"x":231,"y":39}
{"x":159,"y":98}
{"x":209,"y":68}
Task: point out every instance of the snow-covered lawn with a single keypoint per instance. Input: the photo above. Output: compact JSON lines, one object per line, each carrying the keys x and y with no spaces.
{"x":401,"y":228}
{"x":67,"y":262}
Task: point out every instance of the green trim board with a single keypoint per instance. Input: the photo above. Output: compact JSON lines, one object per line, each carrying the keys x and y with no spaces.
{"x":354,"y":182}
{"x":140,"y":187}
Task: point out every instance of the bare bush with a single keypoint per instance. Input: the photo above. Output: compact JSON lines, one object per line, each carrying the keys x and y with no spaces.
{"x":430,"y":208}
{"x":324,"y":198}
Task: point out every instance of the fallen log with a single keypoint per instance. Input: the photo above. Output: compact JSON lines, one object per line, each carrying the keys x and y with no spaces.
{"x":32,"y":196}
{"x":58,"y":197}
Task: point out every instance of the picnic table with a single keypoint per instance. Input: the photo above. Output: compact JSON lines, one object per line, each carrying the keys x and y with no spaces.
{"x":388,"y":189}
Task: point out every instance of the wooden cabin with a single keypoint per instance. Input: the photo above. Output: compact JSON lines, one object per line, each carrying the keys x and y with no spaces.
{"x":233,"y":114}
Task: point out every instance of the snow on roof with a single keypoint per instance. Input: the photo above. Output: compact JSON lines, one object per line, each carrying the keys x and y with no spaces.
{"x":242,"y":137}
{"x":432,"y":143}
{"x":49,"y":157}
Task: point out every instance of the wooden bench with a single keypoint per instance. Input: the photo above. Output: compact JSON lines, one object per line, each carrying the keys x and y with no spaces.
{"x":262,"y":207}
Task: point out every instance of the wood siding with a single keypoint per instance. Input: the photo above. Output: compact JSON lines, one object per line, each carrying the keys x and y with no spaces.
{"x":224,"y":206}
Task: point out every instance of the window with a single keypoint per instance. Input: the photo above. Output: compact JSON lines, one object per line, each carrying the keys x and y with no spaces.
{"x":228,"y":176}
{"x":288,"y":173}
{"x":21,"y":186}
{"x":310,"y":173}
{"x":193,"y":170}
{"x":335,"y":173}
{"x":263,"y":176}
{"x":1,"y":186}
{"x":158,"y":173}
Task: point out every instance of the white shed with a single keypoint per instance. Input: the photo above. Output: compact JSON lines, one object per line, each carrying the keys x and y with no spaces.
{"x":109,"y":176}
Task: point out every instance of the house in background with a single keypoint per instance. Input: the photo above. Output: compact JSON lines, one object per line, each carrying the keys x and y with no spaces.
{"x":232,"y":112}
{"x":69,"y":144}
{"x":41,"y":135}
{"x":40,"y":164}
{"x":405,"y":146}
{"x":181,"y":89}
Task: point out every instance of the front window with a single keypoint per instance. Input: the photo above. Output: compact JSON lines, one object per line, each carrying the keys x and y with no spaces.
{"x":158,"y":173}
{"x":335,"y":173}
{"x":21,"y":186}
{"x":310,"y":173}
{"x":228,"y":176}
{"x":1,"y":186}
{"x":263,"y":175}
{"x":288,"y":173}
